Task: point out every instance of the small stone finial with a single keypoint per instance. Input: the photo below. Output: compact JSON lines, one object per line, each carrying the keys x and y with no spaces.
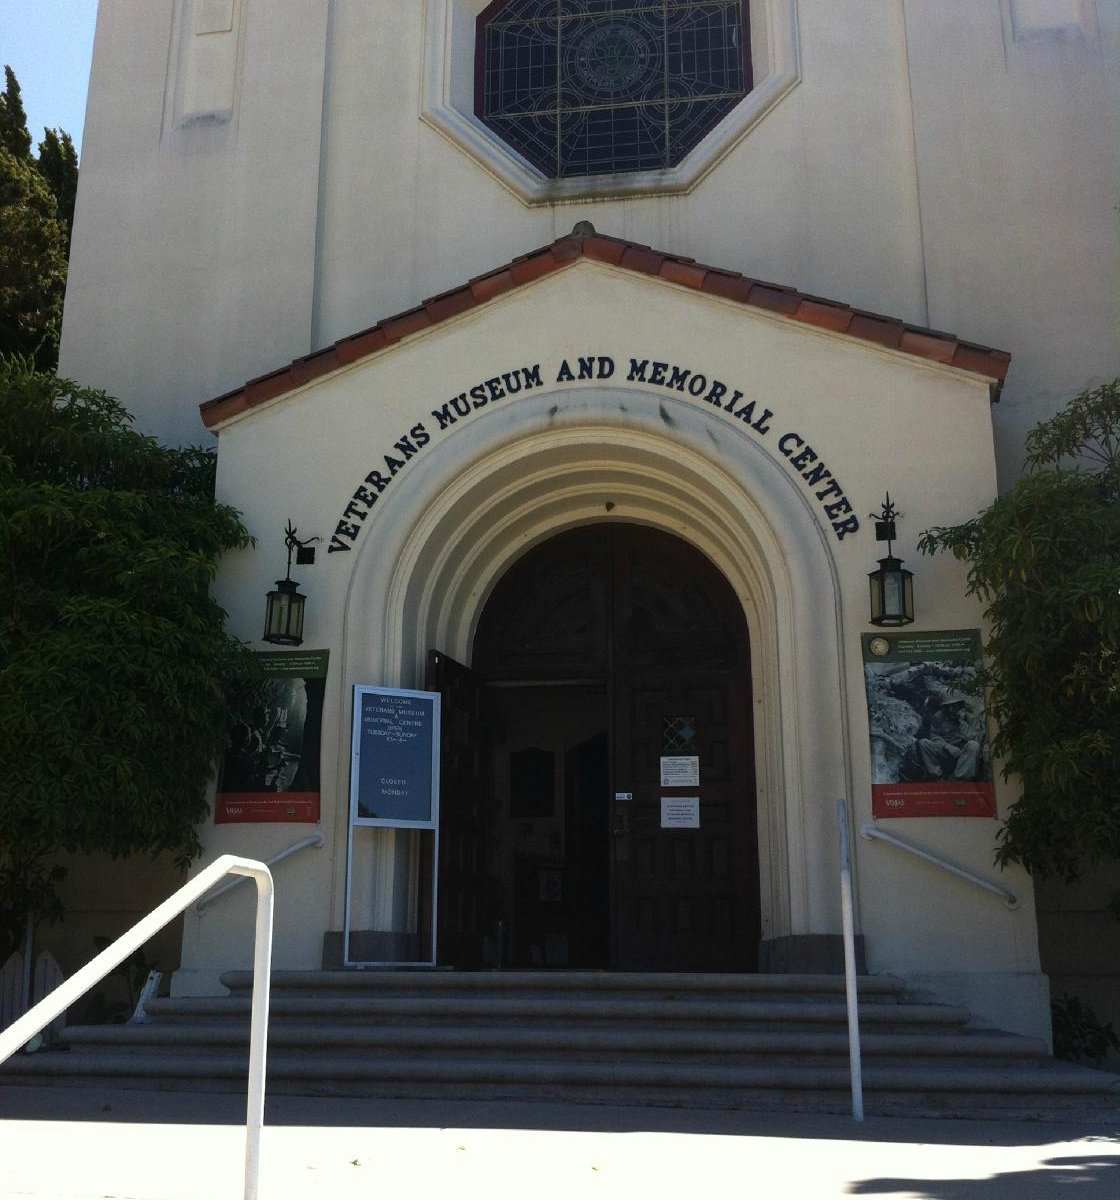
{"x":583,"y":229}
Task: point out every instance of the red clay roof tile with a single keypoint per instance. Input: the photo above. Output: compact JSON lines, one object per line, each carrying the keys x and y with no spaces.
{"x":583,"y":242}
{"x":486,"y":287}
{"x":936,"y":347}
{"x":450,"y":304}
{"x":532,"y":266}
{"x":362,"y":344}
{"x":826,"y":315}
{"x":642,"y":258}
{"x":683,"y":271}
{"x":406,"y":323}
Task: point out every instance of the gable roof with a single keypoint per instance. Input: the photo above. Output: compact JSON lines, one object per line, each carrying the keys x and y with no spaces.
{"x":585,"y":242}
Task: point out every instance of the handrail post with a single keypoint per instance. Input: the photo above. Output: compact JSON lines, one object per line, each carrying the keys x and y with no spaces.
{"x":850,"y":985}
{"x":258,"y":1031}
{"x":74,"y":988}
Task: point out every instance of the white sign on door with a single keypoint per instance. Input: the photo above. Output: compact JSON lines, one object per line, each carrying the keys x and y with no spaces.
{"x":680,"y":812}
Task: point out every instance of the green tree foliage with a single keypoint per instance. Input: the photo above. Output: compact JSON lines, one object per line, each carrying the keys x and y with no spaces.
{"x":36,"y":217}
{"x":13,"y":119}
{"x":58,"y":165}
{"x":115,"y":669}
{"x":32,"y":262}
{"x":1045,"y":558}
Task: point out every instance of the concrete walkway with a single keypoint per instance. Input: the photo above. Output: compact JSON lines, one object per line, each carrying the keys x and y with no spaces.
{"x":97,"y":1142}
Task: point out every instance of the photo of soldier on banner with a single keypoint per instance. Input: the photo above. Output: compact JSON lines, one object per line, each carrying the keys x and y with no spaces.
{"x":930,"y":755}
{"x":270,"y":771}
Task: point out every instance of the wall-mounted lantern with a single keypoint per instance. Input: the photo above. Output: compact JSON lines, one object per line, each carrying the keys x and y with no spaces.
{"x":892,"y":586}
{"x":283,"y":618}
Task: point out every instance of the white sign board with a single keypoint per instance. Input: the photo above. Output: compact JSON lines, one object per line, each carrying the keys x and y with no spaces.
{"x":680,"y":812}
{"x":680,"y":770}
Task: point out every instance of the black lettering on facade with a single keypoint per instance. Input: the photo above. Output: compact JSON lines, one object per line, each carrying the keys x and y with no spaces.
{"x":746,"y":413}
{"x":761,"y":426}
{"x":606,"y":367}
{"x":377,"y":480}
{"x":657,"y":373}
{"x":837,"y":508}
{"x":405,"y":447}
{"x":420,"y":435}
{"x":697,"y":385}
{"x":678,"y":378}
{"x":532,"y":376}
{"x":788,"y":442}
{"x":354,"y":509}
{"x":478,"y":395}
{"x":814,"y":475}
{"x":832,"y":489}
{"x":494,"y":387}
{"x":336,"y":544}
{"x":802,"y":459}
{"x":444,"y":416}
{"x":394,"y":464}
{"x":851,"y":525}
{"x":512,"y":381}
{"x":637,"y":370}
{"x":586,"y":368}
{"x":716,"y":393}
{"x":564,"y":375}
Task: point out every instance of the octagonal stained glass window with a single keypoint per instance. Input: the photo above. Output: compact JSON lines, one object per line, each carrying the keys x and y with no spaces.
{"x":596,"y":87}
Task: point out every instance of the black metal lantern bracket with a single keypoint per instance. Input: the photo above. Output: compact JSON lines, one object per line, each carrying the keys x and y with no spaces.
{"x":283,"y":622}
{"x":892,"y":586}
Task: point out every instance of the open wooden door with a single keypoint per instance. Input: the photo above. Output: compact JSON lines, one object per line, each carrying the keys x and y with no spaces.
{"x":466,"y":899}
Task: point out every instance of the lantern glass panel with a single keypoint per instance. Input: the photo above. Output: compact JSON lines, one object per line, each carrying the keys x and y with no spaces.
{"x":284,"y":615}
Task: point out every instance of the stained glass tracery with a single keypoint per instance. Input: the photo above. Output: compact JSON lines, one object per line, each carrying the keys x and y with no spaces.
{"x":591,"y":87}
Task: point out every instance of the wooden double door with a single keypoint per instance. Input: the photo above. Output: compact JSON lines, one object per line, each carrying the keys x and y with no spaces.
{"x":598,"y":788}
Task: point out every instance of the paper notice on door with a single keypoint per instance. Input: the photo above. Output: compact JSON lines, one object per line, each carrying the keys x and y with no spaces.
{"x":680,"y":812}
{"x":680,"y":770}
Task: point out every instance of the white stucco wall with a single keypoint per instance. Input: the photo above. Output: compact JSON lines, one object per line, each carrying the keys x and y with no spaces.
{"x":879,"y":419}
{"x":950,"y":164}
{"x":255,"y":188}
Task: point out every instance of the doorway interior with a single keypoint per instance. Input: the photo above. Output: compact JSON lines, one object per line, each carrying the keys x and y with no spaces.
{"x":601,"y":653}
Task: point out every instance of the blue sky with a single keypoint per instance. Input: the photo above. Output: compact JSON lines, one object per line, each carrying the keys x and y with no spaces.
{"x":48,"y":44}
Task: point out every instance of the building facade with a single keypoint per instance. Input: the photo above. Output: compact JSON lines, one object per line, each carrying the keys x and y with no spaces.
{"x":495,"y":273}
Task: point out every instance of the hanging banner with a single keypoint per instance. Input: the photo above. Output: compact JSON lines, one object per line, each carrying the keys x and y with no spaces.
{"x":270,"y":771}
{"x":929,"y":739}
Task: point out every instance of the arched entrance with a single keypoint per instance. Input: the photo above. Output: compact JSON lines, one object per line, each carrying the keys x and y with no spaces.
{"x":606,"y":655}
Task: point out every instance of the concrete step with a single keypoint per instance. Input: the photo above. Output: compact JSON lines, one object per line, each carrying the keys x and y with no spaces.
{"x":969,"y":1047}
{"x":572,"y":985}
{"x":1048,"y":1086}
{"x":739,"y":1041}
{"x":547,"y":1011}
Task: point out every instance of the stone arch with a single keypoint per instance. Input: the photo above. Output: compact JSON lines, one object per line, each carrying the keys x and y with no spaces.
{"x":509,"y":479}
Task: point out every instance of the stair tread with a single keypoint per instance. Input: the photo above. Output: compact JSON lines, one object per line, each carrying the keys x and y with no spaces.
{"x":1045,"y":1078}
{"x":679,"y":1039}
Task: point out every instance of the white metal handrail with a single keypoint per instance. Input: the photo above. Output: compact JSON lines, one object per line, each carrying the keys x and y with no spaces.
{"x":851,"y":987}
{"x":17,"y":1034}
{"x":314,"y":839}
{"x":874,"y":833}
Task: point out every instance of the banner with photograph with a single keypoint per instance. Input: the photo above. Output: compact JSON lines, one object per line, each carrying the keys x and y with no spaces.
{"x":929,"y":739}
{"x":270,"y":771}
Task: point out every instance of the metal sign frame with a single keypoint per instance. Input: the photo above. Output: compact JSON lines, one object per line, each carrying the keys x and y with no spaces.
{"x":406,"y":702}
